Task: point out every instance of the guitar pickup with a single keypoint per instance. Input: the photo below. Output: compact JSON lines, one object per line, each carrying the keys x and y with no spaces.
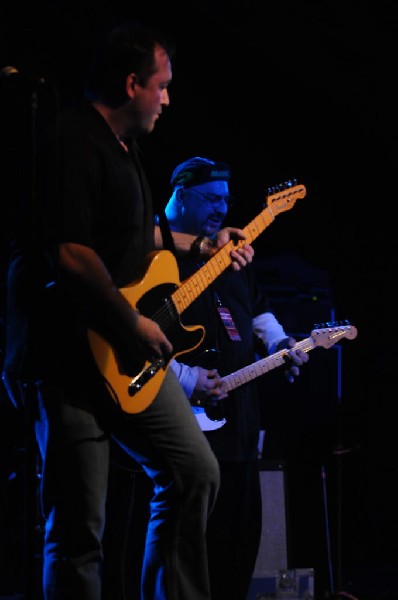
{"x":145,"y":375}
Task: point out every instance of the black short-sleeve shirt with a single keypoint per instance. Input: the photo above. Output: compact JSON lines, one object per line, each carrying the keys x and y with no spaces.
{"x":237,"y":291}
{"x":97,"y":194}
{"x":90,"y":191}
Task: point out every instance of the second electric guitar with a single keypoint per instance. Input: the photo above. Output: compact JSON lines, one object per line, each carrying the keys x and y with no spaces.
{"x":325,"y":338}
{"x":160,"y":296}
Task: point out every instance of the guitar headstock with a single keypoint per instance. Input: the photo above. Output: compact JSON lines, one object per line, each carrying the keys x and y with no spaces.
{"x":283,"y":196}
{"x":333,"y":333}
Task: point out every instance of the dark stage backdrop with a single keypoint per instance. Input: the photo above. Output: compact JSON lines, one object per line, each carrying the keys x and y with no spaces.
{"x":279,"y":90}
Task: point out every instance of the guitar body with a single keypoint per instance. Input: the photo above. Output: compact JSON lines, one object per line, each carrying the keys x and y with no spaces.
{"x":210,"y":416}
{"x":209,"y":420}
{"x":151,"y":297}
{"x":160,"y":296}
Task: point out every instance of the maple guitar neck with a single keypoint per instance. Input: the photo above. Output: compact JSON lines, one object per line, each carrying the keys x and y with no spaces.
{"x":264,"y":365}
{"x":194,"y":285}
{"x":326,"y":338}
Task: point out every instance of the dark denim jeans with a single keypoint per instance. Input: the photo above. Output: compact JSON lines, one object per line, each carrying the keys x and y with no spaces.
{"x":166,"y":440}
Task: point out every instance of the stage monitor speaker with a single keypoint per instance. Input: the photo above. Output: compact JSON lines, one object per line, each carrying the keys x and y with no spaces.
{"x":273,"y":551}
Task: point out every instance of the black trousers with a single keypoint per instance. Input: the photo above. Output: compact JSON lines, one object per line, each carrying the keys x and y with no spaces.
{"x":234,"y":531}
{"x":233,"y":534}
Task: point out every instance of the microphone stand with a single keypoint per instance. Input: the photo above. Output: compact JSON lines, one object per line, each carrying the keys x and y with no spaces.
{"x":24,"y":104}
{"x":32,"y":457}
{"x":339,"y":451}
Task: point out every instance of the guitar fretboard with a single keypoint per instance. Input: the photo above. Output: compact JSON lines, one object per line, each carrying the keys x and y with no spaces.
{"x":194,"y":285}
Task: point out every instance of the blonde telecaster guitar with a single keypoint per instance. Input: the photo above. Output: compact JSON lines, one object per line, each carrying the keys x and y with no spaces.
{"x":325,"y":338}
{"x":160,"y":296}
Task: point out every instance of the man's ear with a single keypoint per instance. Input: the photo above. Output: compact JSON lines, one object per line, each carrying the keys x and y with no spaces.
{"x":131,"y":81}
{"x":179,"y":194}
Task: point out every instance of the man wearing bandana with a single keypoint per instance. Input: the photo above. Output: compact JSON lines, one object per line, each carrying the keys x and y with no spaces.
{"x":236,"y":316}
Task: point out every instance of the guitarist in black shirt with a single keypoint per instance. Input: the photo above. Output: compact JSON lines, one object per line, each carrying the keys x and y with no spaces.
{"x":89,"y":237}
{"x":234,"y":313}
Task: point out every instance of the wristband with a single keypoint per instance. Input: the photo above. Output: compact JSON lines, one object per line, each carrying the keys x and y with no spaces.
{"x":196,"y":248}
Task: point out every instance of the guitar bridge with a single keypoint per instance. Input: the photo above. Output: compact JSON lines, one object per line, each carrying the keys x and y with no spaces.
{"x":145,"y":375}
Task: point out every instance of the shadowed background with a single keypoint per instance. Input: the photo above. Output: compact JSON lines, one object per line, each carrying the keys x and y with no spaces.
{"x":278,"y":90}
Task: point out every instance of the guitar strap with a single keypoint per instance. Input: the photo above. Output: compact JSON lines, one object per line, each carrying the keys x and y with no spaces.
{"x":168,"y":242}
{"x":227,"y":320}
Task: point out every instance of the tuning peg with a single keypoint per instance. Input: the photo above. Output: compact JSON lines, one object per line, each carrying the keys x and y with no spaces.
{"x":290,"y":183}
{"x":281,"y":186}
{"x":346,"y":322}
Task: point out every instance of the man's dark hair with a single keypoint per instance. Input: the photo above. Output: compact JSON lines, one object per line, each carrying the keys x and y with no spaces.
{"x":127,"y":48}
